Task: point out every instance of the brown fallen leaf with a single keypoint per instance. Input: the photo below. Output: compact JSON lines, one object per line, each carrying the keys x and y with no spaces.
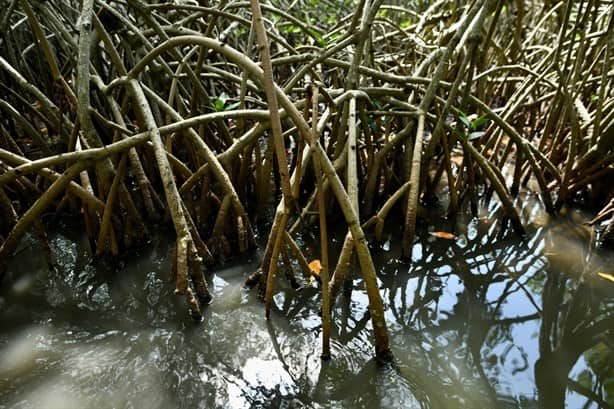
{"x":315,"y":266}
{"x":443,"y":235}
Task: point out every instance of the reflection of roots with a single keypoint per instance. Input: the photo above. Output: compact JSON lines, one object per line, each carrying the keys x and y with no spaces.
{"x":566,"y":335}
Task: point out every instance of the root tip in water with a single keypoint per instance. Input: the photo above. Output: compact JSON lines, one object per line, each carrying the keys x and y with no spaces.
{"x":196,"y":317}
{"x":205,"y":299}
{"x":384,"y":357}
{"x":252,"y":280}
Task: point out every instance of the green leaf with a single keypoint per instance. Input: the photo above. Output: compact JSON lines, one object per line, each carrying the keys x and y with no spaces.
{"x":232,"y":106}
{"x":220,"y":102}
{"x":405,"y":24}
{"x":460,"y":133}
{"x":319,"y":39}
{"x":333,"y":37}
{"x":383,"y":13}
{"x":479,"y":122}
{"x":463,"y":118}
{"x":475,"y":135}
{"x":291,"y":29}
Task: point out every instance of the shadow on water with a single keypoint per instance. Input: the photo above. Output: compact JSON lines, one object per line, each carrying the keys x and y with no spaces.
{"x":480,"y":320}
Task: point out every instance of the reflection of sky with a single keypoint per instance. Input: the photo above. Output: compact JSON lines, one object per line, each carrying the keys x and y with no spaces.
{"x":509,"y":358}
{"x":574,"y":400}
{"x":259,"y":374}
{"x":453,"y":286}
{"x":513,"y":378}
{"x":521,"y":346}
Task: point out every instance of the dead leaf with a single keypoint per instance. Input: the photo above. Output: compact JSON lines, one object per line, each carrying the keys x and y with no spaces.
{"x":443,"y":235}
{"x":606,"y":276}
{"x":315,"y":266}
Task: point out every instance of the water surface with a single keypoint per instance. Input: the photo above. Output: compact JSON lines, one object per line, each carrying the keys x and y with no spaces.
{"x":464,"y":319}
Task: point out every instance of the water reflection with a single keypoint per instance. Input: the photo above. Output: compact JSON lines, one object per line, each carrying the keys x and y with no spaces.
{"x":483,"y":320}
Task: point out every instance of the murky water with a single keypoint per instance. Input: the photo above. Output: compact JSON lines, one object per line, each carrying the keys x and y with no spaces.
{"x":464,"y":319}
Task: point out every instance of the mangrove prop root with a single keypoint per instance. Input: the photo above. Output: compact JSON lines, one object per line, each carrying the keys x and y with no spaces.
{"x":148,"y":112}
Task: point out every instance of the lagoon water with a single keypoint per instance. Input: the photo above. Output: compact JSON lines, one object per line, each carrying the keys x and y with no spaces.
{"x":463,"y":315}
